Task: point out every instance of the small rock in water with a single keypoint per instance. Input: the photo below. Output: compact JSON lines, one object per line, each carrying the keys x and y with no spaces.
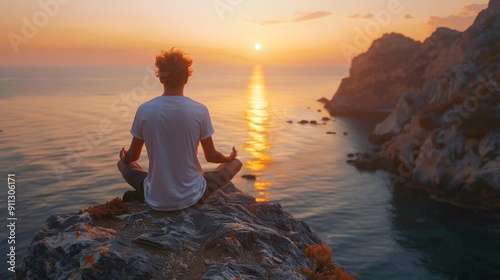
{"x":319,"y":111}
{"x":249,"y":176}
{"x":331,"y":132}
{"x":289,"y":121}
{"x":345,"y":133}
{"x":303,"y":122}
{"x":325,"y":119}
{"x":313,"y":122}
{"x":350,"y":155}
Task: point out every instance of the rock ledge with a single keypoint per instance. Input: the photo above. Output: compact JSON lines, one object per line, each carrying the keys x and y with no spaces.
{"x":229,"y":236}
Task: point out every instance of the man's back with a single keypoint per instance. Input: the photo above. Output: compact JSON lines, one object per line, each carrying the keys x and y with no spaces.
{"x":172,"y":127}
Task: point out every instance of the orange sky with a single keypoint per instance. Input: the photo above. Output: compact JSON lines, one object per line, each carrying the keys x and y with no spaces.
{"x":314,"y":32}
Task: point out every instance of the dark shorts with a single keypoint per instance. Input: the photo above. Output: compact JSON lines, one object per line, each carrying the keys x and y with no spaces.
{"x":134,"y":175}
{"x":216,"y":180}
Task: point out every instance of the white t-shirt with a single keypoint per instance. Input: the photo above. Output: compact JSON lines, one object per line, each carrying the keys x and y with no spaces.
{"x":172,"y":127}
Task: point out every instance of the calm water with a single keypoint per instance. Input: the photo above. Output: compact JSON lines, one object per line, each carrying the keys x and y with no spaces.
{"x":62,"y":129}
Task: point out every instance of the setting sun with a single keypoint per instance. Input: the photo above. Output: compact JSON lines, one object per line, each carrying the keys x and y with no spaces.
{"x":257,"y":47}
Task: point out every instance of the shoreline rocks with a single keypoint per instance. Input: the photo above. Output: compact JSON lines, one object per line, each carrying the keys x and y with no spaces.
{"x":443,"y":136}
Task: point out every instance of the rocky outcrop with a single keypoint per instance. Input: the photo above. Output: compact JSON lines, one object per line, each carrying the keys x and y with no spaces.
{"x":228,"y":236}
{"x":444,"y":135}
{"x":378,"y":77}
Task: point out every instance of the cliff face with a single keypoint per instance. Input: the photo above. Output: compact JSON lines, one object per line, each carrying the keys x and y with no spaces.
{"x":377,"y":77}
{"x":444,"y":135}
{"x":229,"y":236}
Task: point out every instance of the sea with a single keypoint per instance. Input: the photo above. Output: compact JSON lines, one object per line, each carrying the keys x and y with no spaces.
{"x":61,"y":130}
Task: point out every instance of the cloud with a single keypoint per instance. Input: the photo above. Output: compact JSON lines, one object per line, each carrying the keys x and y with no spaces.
{"x":299,"y":17}
{"x":310,"y":16}
{"x":407,"y":16}
{"x":269,"y":22}
{"x":460,"y":22}
{"x":360,"y":16}
{"x":472,"y":9}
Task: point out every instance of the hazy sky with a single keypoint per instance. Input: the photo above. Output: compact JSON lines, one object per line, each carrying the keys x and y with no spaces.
{"x":312,"y":32}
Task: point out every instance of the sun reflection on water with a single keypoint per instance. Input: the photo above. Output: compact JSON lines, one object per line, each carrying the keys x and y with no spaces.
{"x":257,"y":120}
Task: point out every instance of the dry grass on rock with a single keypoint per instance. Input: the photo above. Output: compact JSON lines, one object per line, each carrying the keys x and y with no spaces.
{"x":322,"y":267}
{"x":108,"y":210}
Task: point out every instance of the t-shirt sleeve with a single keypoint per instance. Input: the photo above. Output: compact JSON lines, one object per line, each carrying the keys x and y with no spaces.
{"x":136,"y":129}
{"x":206,"y":126}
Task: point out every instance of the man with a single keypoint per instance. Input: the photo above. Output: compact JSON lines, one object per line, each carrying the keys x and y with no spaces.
{"x":171,"y":126}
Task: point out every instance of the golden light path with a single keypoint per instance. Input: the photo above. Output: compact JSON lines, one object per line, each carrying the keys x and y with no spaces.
{"x":257,"y":120}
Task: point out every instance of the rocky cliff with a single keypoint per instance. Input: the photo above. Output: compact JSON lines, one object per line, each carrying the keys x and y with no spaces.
{"x":378,"y":77}
{"x":444,"y":133}
{"x":229,"y":236}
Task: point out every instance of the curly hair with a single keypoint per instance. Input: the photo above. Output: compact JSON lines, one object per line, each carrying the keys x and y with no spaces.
{"x":174,"y":67}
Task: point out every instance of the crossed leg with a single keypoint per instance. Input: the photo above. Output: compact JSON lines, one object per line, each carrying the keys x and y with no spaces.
{"x":134,"y":175}
{"x":222,"y":174}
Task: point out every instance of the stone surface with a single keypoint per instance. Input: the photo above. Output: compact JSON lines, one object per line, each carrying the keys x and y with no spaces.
{"x":71,"y":247}
{"x":228,"y":236}
{"x":444,"y":134}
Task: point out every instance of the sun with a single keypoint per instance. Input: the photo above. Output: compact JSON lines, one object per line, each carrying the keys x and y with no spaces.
{"x":257,"y":46}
